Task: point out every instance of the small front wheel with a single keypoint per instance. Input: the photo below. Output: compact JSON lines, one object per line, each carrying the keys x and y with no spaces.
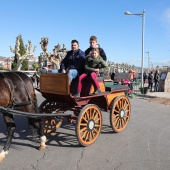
{"x":89,"y":124}
{"x":50,"y":124}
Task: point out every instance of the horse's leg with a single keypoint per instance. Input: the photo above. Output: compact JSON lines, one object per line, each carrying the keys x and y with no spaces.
{"x":42,"y":136}
{"x":11,"y":129}
{"x":38,"y":124}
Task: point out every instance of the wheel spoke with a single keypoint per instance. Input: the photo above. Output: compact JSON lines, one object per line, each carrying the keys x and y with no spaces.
{"x":126,"y":111}
{"x":83,"y":129}
{"x":120,"y":104}
{"x":115,"y":115}
{"x":83,"y":124}
{"x":87,"y":136}
{"x":97,"y":125}
{"x":92,"y":135}
{"x":121,"y":101}
{"x":84,"y":134}
{"x":95,"y":130}
{"x":124,"y":120}
{"x":117,"y":123}
{"x":94,"y":111}
{"x":125,"y":106}
{"x":126,"y":117}
{"x":117,"y":111}
{"x":87,"y":114}
{"x":120,"y":123}
{"x":84,"y":119}
{"x":97,"y":120}
{"x":116,"y":119}
{"x":95,"y":116}
{"x":117,"y":105}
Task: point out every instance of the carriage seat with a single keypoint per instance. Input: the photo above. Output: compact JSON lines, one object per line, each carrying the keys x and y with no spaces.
{"x":117,"y":87}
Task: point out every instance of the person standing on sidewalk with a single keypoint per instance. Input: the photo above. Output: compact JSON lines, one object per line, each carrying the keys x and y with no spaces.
{"x":144,"y":77}
{"x":150,"y":80}
{"x":156,"y":80}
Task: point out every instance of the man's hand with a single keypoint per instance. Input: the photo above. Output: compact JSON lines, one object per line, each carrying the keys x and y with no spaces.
{"x":63,"y":71}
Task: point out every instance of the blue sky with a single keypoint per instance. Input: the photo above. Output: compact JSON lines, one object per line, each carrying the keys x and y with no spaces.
{"x":118,"y":34}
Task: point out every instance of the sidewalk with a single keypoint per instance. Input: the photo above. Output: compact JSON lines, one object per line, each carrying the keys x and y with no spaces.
{"x":157,"y":94}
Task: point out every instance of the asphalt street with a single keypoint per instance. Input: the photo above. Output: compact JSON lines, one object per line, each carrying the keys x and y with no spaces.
{"x":143,"y":145}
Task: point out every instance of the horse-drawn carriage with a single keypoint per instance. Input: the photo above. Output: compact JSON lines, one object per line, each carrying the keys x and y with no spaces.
{"x":60,"y":103}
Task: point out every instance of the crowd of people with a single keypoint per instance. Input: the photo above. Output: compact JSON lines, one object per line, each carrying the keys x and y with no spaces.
{"x":153,"y":78}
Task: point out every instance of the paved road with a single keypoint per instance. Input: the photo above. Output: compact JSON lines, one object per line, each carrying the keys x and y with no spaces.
{"x":143,"y":145}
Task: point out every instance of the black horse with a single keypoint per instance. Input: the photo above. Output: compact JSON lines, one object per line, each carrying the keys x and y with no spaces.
{"x":17,"y":93}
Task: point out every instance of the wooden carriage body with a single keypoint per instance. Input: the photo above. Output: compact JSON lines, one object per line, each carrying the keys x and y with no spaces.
{"x":56,"y":87}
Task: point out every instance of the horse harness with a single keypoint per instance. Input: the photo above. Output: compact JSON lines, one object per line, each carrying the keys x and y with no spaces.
{"x":14,"y":102}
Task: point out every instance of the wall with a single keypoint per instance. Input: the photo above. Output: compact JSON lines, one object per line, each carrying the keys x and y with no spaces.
{"x":164,"y":83}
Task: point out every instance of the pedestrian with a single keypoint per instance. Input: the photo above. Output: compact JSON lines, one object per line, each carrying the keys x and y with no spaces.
{"x":92,"y":70}
{"x":36,"y":77}
{"x":144,"y":77}
{"x":156,"y":80}
{"x":73,"y":63}
{"x":134,"y":76}
{"x":130,"y":77}
{"x":150,"y":80}
{"x":113,"y":76}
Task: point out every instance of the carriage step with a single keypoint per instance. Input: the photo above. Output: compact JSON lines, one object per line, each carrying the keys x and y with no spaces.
{"x":23,"y":103}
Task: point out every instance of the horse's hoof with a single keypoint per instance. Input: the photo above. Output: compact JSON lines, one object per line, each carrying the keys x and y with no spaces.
{"x":42,"y":147}
{"x":1,"y":159}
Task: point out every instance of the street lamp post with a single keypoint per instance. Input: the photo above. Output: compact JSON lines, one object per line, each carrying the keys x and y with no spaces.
{"x":148,"y":61}
{"x":142,"y":14}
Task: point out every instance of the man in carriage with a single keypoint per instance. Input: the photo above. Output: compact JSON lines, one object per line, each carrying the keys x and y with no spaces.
{"x":73,"y":63}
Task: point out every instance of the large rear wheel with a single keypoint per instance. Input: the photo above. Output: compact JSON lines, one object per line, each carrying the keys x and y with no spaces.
{"x":120,"y":113}
{"x":89,"y":124}
{"x":51,"y":125}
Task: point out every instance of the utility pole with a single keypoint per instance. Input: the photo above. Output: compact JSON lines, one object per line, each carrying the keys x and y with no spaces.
{"x":148,"y":61}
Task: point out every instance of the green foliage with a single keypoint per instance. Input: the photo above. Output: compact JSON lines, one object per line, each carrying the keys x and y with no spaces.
{"x":24,"y":65}
{"x":22,"y":52}
{"x":35,"y":65}
{"x":14,"y":65}
{"x":22,"y":47}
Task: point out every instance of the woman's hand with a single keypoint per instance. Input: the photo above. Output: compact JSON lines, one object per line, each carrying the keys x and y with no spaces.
{"x":97,"y":70}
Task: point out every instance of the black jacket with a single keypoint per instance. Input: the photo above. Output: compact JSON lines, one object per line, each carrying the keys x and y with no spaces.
{"x":74,"y":62}
{"x":156,"y":77}
{"x":102,"y":53}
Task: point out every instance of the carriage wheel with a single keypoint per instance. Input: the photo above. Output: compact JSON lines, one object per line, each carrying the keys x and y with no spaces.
{"x":89,"y":124}
{"x":50,"y":124}
{"x":120,"y":113}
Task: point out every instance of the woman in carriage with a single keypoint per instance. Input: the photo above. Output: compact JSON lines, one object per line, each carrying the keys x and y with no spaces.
{"x":94,"y":65}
